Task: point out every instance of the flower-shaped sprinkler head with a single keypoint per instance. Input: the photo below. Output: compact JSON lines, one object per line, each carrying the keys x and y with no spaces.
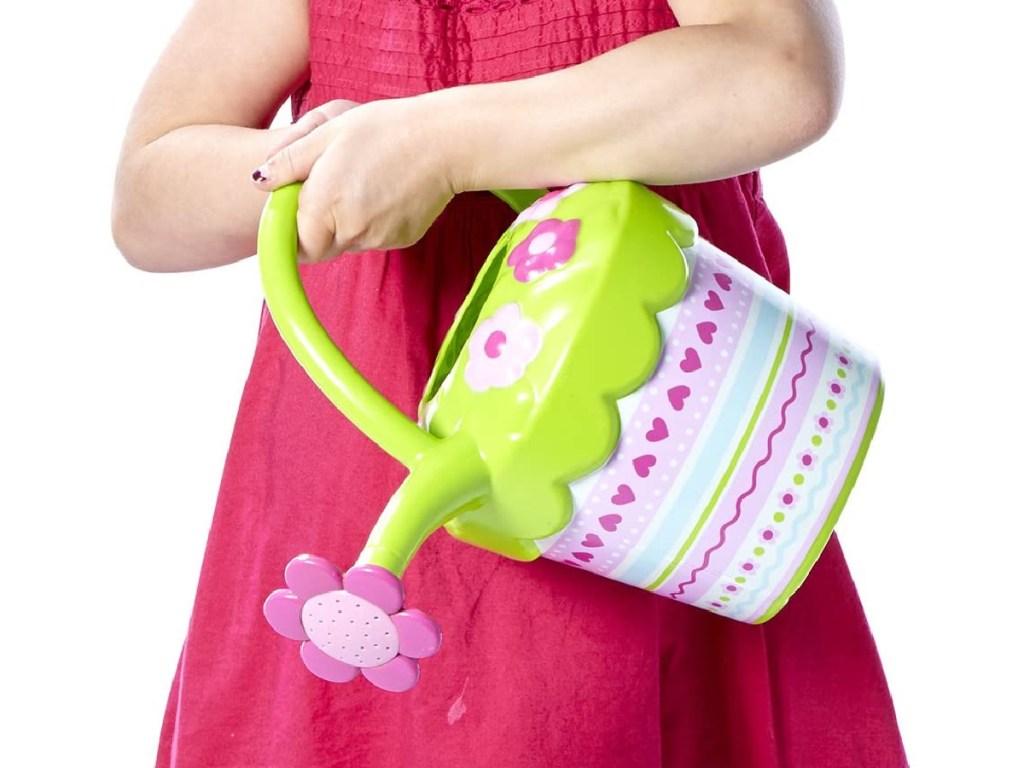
{"x":352,"y":624}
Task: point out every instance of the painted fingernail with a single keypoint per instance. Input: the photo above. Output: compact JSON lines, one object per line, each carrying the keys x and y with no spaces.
{"x":261,"y":174}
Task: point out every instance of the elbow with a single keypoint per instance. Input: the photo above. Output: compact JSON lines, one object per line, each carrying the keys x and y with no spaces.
{"x":126,"y":237}
{"x":124,"y":220}
{"x":127,"y":224}
{"x":813,"y":59}
{"x":817,"y":109}
{"x":824,"y":92}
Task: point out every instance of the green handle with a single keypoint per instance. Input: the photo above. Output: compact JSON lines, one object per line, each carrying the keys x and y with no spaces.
{"x":371,"y":412}
{"x":364,"y":406}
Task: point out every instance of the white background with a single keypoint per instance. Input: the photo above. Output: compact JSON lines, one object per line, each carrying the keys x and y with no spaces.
{"x":119,"y":389}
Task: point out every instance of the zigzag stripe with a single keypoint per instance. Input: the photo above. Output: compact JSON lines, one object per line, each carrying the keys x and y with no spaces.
{"x":706,"y":561}
{"x":811,"y":508}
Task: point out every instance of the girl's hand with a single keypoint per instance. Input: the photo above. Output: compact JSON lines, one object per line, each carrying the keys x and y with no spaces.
{"x":375,"y":179}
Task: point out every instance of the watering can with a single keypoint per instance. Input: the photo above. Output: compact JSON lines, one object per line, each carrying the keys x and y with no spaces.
{"x":615,"y":394}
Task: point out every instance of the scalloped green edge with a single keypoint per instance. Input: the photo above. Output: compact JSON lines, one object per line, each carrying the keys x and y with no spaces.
{"x":603,"y":310}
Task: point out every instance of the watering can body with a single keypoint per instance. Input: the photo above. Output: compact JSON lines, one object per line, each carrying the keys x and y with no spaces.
{"x":618,"y":395}
{"x":651,"y":410}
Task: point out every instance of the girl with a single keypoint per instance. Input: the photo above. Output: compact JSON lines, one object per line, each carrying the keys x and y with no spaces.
{"x":408,"y":112}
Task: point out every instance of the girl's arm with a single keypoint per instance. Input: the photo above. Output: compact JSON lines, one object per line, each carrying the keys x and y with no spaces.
{"x":182,"y":200}
{"x":741,"y":84}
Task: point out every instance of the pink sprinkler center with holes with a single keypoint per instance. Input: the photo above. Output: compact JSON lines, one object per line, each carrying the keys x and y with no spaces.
{"x":350,"y":629}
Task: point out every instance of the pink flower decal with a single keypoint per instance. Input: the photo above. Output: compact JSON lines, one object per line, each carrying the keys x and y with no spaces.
{"x":550,"y":245}
{"x":352,"y":624}
{"x":787,"y":498}
{"x":836,"y":388}
{"x":768,"y":535}
{"x":500,"y":349}
{"x":823,"y":423}
{"x":808,"y":460}
{"x":543,"y":207}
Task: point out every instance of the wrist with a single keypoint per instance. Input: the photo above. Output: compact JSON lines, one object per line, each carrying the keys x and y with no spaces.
{"x":472,"y":129}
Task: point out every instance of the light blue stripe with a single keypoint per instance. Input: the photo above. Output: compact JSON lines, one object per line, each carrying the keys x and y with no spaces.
{"x":768,"y":323}
{"x":811,"y":503}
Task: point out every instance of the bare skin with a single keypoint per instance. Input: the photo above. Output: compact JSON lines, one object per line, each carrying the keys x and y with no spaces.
{"x":740,"y":84}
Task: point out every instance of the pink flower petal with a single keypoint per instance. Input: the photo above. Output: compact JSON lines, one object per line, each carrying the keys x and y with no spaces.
{"x":309,"y":575}
{"x":376,"y":584}
{"x":507,"y":316}
{"x":526,"y":343}
{"x":398,"y":675}
{"x":283,"y":611}
{"x":324,"y":667}
{"x":418,"y":634}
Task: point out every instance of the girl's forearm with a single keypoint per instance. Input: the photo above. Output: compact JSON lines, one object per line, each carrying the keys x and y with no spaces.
{"x":679,"y":106}
{"x":184,"y":201}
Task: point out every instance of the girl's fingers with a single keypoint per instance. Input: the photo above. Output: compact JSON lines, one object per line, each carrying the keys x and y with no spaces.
{"x":310,"y":121}
{"x":293,"y":162}
{"x":293,"y":156}
{"x":292,"y":133}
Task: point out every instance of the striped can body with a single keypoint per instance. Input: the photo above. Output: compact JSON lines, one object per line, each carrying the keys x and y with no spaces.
{"x":735,"y":459}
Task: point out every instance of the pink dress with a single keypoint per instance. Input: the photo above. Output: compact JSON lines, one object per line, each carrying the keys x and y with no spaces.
{"x":542,"y":665}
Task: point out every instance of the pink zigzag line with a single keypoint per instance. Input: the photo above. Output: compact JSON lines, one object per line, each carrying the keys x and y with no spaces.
{"x":681,"y":588}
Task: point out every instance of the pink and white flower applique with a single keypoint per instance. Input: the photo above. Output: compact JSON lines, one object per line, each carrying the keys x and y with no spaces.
{"x":544,"y":206}
{"x":500,"y":349}
{"x":352,"y":624}
{"x":550,"y":245}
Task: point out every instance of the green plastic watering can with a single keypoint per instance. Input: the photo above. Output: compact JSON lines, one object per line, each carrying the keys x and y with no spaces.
{"x":616,"y":394}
